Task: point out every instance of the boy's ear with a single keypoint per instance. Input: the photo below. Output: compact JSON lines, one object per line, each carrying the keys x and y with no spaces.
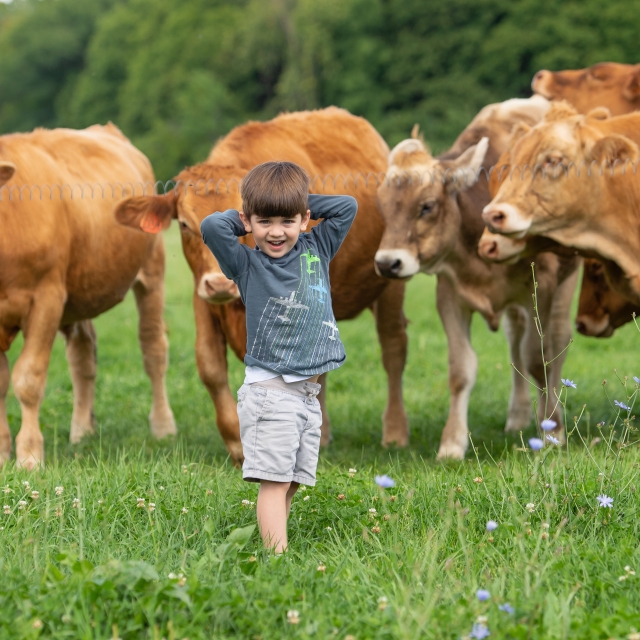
{"x":246,"y":221}
{"x":305,"y":220}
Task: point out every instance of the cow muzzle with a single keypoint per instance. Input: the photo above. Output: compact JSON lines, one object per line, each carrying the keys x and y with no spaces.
{"x":396,"y":263}
{"x":588,"y":326}
{"x":506,"y":219}
{"x":497,"y":248}
{"x":540,"y":83}
{"x":216,"y":288}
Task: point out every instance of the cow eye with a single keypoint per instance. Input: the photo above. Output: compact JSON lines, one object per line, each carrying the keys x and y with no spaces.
{"x":183,"y":225}
{"x":427,"y":208}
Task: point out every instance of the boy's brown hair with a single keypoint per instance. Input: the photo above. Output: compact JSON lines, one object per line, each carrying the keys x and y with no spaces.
{"x":275,"y":189}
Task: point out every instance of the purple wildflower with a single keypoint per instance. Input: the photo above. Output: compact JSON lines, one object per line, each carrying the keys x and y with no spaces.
{"x":492,"y":525}
{"x":548,"y":424}
{"x":636,"y":379}
{"x":605,"y":501}
{"x":553,"y":440}
{"x":482,"y":595}
{"x":479,"y":631}
{"x":622,"y":405}
{"x":569,"y":383}
{"x":536,"y":444}
{"x":385,"y":482}
{"x":507,"y":608}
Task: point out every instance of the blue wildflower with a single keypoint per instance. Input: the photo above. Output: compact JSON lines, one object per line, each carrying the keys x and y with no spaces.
{"x":536,"y":444}
{"x":492,"y":525}
{"x":622,"y":405}
{"x":636,"y":379}
{"x":548,"y":424}
{"x":385,"y":482}
{"x":482,"y":595}
{"x":605,"y":501}
{"x":569,"y":383}
{"x":479,"y":631}
{"x":507,"y":608}
{"x":553,"y":440}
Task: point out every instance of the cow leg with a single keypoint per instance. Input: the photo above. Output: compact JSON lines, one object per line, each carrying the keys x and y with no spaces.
{"x":211,"y":359}
{"x":515,"y":326}
{"x":463,"y":366}
{"x":81,"y":356}
{"x":29,"y":374}
{"x":391,"y":325}
{"x":325,"y":434}
{"x":149,"y":293}
{"x":5,"y":434}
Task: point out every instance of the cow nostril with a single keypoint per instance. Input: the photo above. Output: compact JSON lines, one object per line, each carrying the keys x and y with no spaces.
{"x":497,"y":218}
{"x":492,"y":249}
{"x":396,"y":266}
{"x":581,"y":327}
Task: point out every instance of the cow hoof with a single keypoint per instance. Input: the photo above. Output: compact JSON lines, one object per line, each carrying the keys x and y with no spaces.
{"x":235,"y":453}
{"x":518,"y":421}
{"x":30,"y":452}
{"x":79,"y":431}
{"x":395,"y":431}
{"x":163,"y":427}
{"x":451,"y":451}
{"x":400,"y":441}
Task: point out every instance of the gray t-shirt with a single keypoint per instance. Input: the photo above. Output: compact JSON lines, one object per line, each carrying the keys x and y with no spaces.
{"x":291,"y":328}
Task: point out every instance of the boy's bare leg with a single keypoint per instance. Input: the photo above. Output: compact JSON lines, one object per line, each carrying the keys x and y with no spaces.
{"x":272,"y":511}
{"x":293,"y":487}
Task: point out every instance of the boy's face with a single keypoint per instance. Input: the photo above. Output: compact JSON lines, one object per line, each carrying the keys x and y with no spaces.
{"x":276,"y":236}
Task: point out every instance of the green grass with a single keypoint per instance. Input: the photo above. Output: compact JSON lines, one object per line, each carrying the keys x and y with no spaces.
{"x":101,"y":569}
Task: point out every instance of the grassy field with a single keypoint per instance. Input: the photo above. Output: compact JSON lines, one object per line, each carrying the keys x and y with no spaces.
{"x":95,"y":560}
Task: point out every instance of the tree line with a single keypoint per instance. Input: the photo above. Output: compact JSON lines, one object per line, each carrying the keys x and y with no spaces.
{"x":176,"y":76}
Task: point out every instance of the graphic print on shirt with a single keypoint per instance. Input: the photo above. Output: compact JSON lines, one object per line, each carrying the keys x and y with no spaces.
{"x":299,"y":329}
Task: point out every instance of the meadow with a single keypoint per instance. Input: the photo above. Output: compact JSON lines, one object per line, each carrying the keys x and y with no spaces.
{"x":124,"y":537}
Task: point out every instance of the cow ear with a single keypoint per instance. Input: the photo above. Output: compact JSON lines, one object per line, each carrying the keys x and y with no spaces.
{"x":462,"y":172}
{"x":7,"y":169}
{"x":599,"y":113}
{"x":147,"y":213}
{"x":631,"y":89}
{"x":612,"y":148}
{"x":406,"y":147}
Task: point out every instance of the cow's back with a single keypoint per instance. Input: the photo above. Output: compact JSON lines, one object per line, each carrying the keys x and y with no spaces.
{"x":56,"y":216}
{"x":341,"y":153}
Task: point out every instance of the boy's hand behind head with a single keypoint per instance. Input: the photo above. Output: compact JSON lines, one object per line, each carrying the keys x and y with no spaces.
{"x":276,"y":235}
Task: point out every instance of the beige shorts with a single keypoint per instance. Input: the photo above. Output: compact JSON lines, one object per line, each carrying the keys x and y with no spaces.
{"x":280,"y":431}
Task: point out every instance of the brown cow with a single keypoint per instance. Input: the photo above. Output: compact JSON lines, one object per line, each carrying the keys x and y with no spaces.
{"x":432,"y":211}
{"x":329,"y":142}
{"x":65,"y":260}
{"x":574,"y":184}
{"x":607,"y":84}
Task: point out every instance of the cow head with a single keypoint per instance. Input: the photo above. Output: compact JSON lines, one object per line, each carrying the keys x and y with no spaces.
{"x":601,"y":310}
{"x":544,"y":192}
{"x":417,"y":200}
{"x":609,"y":84}
{"x":200,"y":191}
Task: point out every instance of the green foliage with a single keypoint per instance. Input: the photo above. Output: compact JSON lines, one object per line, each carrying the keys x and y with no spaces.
{"x":176,"y":77}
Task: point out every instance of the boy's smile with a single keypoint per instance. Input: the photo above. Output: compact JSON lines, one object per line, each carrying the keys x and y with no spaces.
{"x":276,"y":236}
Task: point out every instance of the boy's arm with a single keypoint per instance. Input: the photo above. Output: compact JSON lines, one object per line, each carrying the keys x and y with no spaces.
{"x":338,"y":213}
{"x":220,"y":232}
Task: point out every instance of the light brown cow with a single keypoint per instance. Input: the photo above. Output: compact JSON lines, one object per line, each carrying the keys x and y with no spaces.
{"x":433,"y":226}
{"x":329,"y":142}
{"x":573,"y":181}
{"x":607,"y":84}
{"x":65,"y":260}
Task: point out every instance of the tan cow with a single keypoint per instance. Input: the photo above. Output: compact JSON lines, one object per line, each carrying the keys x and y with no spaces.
{"x":65,"y":260}
{"x":432,"y":211}
{"x":329,"y":142}
{"x":607,"y":84}
{"x":573,"y":180}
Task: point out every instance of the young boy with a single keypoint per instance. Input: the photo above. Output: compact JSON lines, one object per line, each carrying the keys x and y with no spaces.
{"x":292,"y":335}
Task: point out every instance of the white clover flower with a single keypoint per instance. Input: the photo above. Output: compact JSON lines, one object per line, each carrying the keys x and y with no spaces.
{"x":7,"y":509}
{"x":7,"y":489}
{"x":372,"y":510}
{"x":59,"y":491}
{"x":530,"y":507}
{"x":184,"y":510}
{"x":35,"y":495}
{"x":293,"y":616}
{"x":140,"y":504}
{"x":306,"y":498}
{"x":152,"y":506}
{"x":76,"y":503}
{"x":22,"y":504}
{"x":382,"y":603}
{"x":161,"y":488}
{"x":100,"y":501}
{"x":26,"y":485}
{"x":303,"y":488}
{"x":329,"y":529}
{"x":185,"y":469}
{"x":321,"y":567}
